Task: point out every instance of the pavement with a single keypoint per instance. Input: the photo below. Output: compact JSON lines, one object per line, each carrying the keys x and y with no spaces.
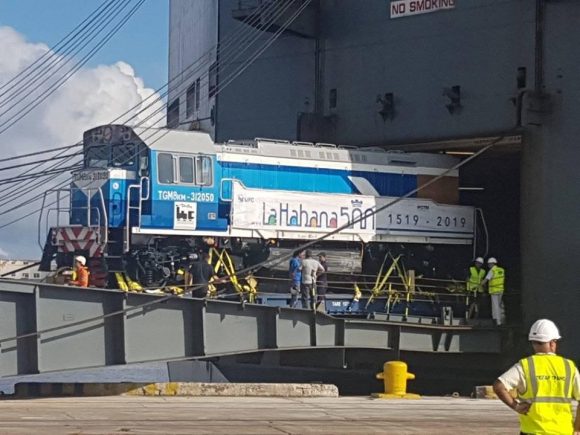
{"x":254,"y":415}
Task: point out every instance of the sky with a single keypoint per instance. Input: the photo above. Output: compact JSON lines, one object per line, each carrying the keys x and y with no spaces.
{"x":122,"y":77}
{"x":142,"y":42}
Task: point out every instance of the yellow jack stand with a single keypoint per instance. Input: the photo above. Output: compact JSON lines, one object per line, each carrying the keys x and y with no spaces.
{"x":395,"y":378}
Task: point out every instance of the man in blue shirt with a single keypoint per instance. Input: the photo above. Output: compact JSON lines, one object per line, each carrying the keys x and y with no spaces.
{"x":295,"y":272}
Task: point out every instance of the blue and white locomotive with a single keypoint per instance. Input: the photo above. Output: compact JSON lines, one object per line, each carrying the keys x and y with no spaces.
{"x":147,"y":198}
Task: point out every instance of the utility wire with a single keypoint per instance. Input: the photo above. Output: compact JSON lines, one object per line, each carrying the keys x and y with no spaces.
{"x":38,"y":174}
{"x":232,"y":37}
{"x":43,"y":96}
{"x":21,"y":165}
{"x":71,"y":36}
{"x":12,"y":194}
{"x":38,"y":197}
{"x":250,"y":60}
{"x":244,"y":66}
{"x":238,"y":52}
{"x":37,"y":153}
{"x":24,"y":88}
{"x":250,"y":39}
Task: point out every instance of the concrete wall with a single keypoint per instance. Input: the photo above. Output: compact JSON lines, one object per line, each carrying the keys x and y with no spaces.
{"x":265,"y":99}
{"x":551,"y":185}
{"x":193,"y":37}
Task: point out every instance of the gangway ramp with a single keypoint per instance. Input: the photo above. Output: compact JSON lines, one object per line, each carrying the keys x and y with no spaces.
{"x":45,"y":328}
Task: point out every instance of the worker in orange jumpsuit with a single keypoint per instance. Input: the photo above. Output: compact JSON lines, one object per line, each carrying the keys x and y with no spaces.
{"x":82,"y":272}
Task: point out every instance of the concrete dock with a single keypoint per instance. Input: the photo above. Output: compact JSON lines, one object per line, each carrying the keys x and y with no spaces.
{"x":254,"y":415}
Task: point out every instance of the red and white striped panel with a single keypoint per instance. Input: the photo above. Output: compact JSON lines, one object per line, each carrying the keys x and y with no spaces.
{"x":65,"y":234}
{"x":73,"y":239}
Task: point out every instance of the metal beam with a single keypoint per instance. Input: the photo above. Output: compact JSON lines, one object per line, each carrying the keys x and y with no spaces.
{"x":47,"y":328}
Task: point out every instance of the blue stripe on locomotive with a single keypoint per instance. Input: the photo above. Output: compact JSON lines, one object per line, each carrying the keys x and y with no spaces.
{"x":213,"y":215}
{"x":321,"y":180}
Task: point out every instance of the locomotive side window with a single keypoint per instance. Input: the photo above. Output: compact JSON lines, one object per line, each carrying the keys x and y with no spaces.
{"x":203,"y":171}
{"x":186,"y":170}
{"x":165,"y":168}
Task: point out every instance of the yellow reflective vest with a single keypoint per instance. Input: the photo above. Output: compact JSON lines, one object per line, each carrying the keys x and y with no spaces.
{"x":549,"y":388}
{"x":496,"y":284}
{"x":475,"y":277}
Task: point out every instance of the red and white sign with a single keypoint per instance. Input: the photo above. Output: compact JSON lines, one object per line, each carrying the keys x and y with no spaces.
{"x":405,"y":8}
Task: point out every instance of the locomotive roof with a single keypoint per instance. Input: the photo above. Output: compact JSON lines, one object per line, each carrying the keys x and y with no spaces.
{"x":200,"y":142}
{"x":162,"y":139}
{"x":336,"y":153}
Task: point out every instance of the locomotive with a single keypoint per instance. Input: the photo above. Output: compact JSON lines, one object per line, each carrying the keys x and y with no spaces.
{"x":146,"y":200}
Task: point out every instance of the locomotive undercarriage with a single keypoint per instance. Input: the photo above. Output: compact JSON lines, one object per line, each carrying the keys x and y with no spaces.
{"x":159,"y":261}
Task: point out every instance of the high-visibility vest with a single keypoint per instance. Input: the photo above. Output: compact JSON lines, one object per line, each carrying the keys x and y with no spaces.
{"x":496,"y":284}
{"x":475,"y":277}
{"x":81,"y":277}
{"x":549,"y":387}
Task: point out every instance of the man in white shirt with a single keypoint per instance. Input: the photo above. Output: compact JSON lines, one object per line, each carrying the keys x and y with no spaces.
{"x":546,"y":384}
{"x":495,"y":280}
{"x":311,"y":268}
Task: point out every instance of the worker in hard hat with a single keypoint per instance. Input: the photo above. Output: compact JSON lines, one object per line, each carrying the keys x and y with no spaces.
{"x":495,"y":280}
{"x":476,"y":276}
{"x":546,"y":385}
{"x":474,"y":288}
{"x":81,"y":278}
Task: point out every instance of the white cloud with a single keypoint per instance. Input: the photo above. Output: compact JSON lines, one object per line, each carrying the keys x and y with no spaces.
{"x":93,"y":96}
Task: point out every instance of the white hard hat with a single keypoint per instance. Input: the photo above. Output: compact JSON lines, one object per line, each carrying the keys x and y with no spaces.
{"x":544,"y":331}
{"x":491,"y":260}
{"x":81,"y":260}
{"x":479,"y":260}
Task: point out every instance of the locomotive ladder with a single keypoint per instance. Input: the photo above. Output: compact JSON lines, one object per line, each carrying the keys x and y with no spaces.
{"x":138,"y":188}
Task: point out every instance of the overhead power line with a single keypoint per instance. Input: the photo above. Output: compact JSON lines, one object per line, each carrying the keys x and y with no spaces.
{"x":20,"y":114}
{"x":7,"y":168}
{"x":71,"y":36}
{"x":244,"y":65}
{"x":38,"y":153}
{"x":23,"y":86}
{"x":230,"y":38}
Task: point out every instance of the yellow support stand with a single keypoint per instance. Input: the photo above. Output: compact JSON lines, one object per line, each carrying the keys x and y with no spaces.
{"x":225,"y":262}
{"x":395,"y":377}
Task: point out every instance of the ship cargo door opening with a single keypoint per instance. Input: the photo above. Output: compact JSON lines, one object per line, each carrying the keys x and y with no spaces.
{"x":491,"y":183}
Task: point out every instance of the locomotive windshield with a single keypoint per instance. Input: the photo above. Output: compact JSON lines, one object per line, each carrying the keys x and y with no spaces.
{"x":111,"y":146}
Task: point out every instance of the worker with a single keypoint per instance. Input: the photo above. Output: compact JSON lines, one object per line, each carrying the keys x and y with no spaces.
{"x":201,"y":274}
{"x":322,"y":282}
{"x":475,"y":289}
{"x":295,"y":273}
{"x":476,"y":276}
{"x":495,"y":280}
{"x":81,"y":278}
{"x":546,"y":384}
{"x":311,"y":269}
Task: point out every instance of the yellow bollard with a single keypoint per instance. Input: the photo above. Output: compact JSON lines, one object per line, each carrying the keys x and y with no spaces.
{"x":395,"y":377}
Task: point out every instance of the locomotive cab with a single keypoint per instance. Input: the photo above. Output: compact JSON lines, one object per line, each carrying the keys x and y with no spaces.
{"x":99,"y":190}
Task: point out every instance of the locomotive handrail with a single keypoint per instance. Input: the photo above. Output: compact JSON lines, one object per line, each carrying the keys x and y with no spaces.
{"x":139,"y":188}
{"x":232,"y":180}
{"x":479,"y":212}
{"x":144,"y":178}
{"x":102,"y":217}
{"x":106,"y":218}
{"x":40,"y":219}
